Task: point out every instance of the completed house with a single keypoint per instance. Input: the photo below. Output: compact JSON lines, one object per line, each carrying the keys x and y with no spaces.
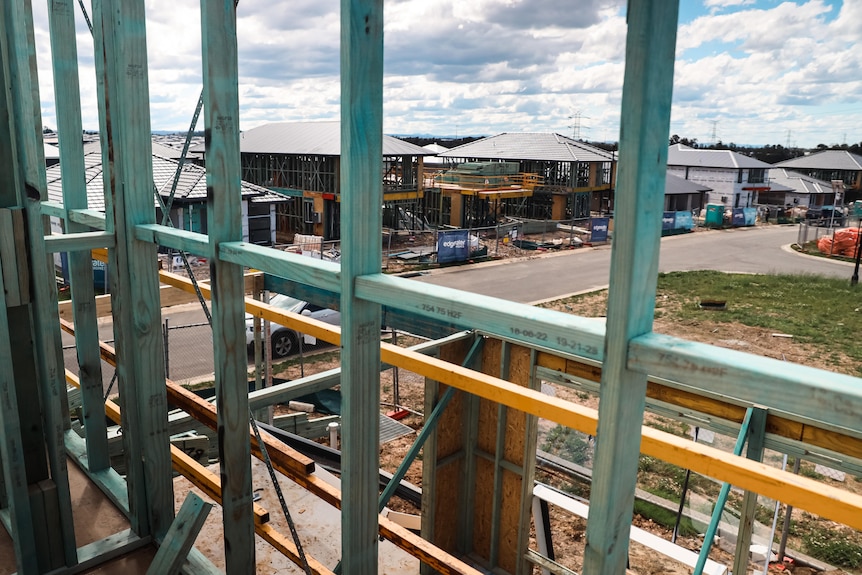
{"x":805,"y":191}
{"x":735,"y":179}
{"x":831,"y":165}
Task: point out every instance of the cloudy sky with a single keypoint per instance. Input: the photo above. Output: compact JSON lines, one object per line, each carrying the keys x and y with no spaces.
{"x":747,"y":71}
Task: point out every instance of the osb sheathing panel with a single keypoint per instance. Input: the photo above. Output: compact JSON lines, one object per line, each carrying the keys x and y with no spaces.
{"x":516,"y":421}
{"x":447,"y":504}
{"x":450,"y":426}
{"x":446,"y":482}
{"x":483,"y":501}
{"x":509,"y":522}
{"x":449,"y":430}
{"x":486,"y":437}
{"x":450,"y":492}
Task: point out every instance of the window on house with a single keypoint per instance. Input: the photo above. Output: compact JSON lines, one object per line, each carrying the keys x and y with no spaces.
{"x":583,"y":175}
{"x":756,"y":176}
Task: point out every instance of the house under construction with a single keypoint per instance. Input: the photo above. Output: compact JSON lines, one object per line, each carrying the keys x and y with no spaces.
{"x":482,"y":395}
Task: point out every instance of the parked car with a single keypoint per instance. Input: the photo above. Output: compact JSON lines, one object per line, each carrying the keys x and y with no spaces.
{"x":285,"y":341}
{"x":826,"y":215}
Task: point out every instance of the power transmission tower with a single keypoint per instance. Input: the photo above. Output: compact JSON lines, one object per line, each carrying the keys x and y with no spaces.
{"x":576,"y":124}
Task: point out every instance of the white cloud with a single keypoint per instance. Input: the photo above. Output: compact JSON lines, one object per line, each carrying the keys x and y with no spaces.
{"x":757,"y":68}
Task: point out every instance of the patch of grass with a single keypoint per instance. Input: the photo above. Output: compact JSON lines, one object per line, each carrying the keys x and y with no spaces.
{"x":838,"y":549}
{"x":284,"y":366}
{"x":664,"y":517}
{"x":813,"y":309}
{"x":567,"y":443}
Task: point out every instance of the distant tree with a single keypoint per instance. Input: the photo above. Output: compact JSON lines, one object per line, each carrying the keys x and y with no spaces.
{"x":690,"y":142}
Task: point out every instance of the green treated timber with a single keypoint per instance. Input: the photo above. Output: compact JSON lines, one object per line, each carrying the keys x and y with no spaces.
{"x":54,"y":209}
{"x":45,"y":317}
{"x":79,"y":241}
{"x":361,"y":222}
{"x":111,"y":483}
{"x":13,"y":257}
{"x":431,"y":328}
{"x":181,"y":536}
{"x":722,"y":498}
{"x":221,"y":122}
{"x":644,"y":124}
{"x":723,"y":426}
{"x":182,"y":240}
{"x":427,"y":430}
{"x":20,"y":520}
{"x":534,"y":326}
{"x":806,"y":392}
{"x":756,"y":435}
{"x":123,"y":87}
{"x":93,"y":219}
{"x":18,"y":515}
{"x":99,"y":552}
{"x":310,"y":271}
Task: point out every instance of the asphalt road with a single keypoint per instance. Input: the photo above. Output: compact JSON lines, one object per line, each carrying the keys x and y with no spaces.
{"x":747,"y":250}
{"x":537,"y":278}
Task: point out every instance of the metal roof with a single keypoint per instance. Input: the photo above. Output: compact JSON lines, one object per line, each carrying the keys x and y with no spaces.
{"x":681,"y":155}
{"x":191,"y":184}
{"x":530,"y":146}
{"x":825,"y":160}
{"x":796,"y":182}
{"x":312,"y":139}
{"x":675,"y":185}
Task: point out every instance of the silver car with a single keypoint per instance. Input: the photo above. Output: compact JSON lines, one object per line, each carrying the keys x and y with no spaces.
{"x":285,"y":341}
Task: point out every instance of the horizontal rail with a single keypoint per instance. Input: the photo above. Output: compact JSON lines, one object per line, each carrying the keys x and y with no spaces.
{"x":808,"y":392}
{"x":78,"y":241}
{"x":528,"y":324}
{"x":709,"y":410}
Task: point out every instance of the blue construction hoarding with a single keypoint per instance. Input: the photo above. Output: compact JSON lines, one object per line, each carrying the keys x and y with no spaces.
{"x":599,"y":229}
{"x":453,"y":246}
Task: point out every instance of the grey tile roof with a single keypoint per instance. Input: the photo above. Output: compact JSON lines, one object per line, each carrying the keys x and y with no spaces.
{"x":529,"y":146}
{"x":191,"y":184}
{"x":825,"y":160}
{"x":159,"y":149}
{"x":680,"y":155}
{"x":675,"y":185}
{"x":312,"y":138}
{"x":796,"y":182}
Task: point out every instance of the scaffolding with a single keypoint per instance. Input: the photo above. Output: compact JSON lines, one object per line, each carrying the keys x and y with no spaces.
{"x":492,"y":366}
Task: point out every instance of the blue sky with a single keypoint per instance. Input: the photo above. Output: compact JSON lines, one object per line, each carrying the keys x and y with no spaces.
{"x":747,"y":71}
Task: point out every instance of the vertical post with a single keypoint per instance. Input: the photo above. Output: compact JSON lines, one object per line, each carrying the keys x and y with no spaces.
{"x":756,"y":437}
{"x":121,"y":53}
{"x":68,"y":102}
{"x":221,"y":120}
{"x":362,"y":196}
{"x":645,"y":121}
{"x":40,"y":359}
